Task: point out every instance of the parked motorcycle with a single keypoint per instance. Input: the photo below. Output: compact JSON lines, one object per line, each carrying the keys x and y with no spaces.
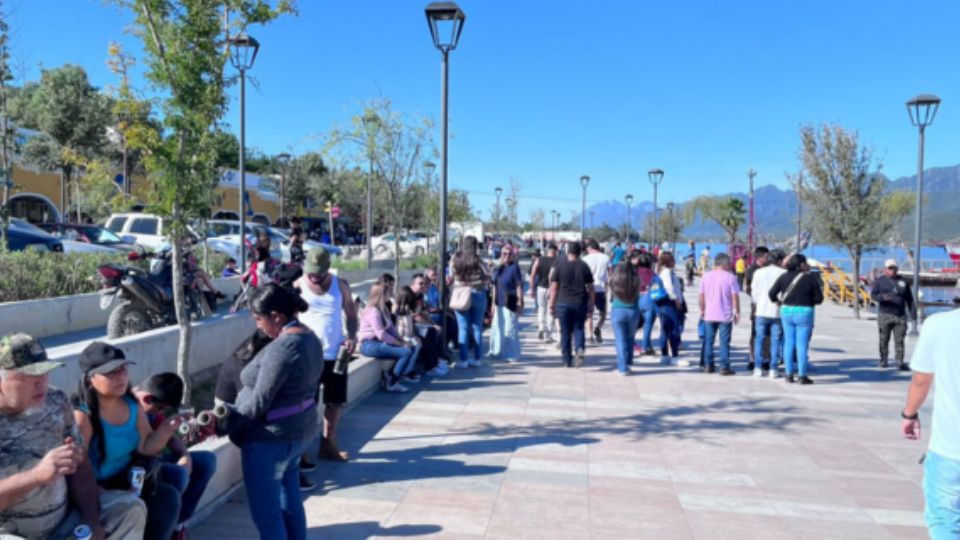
{"x":146,"y":297}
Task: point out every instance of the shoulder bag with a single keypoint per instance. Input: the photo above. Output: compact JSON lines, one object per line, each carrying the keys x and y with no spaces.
{"x":790,"y":288}
{"x":460,"y":297}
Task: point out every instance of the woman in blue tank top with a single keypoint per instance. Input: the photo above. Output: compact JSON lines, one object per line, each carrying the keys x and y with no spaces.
{"x":114,"y":428}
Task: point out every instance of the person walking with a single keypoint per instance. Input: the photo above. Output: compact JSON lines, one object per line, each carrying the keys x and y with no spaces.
{"x":798,"y":292}
{"x":541,"y":269}
{"x":760,"y":259}
{"x":741,"y":269}
{"x":766,"y":315}
{"x":508,"y":302}
{"x":599,"y":264}
{"x":571,"y":294}
{"x":935,"y":357}
{"x":330,"y":310}
{"x":719,"y":310}
{"x":625,"y":312}
{"x":894,"y":303}
{"x":470,"y":272}
{"x":643,"y":262}
{"x":668,"y":309}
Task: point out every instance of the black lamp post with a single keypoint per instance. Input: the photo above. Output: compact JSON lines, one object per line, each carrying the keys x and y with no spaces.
{"x":629,"y":199}
{"x":584,"y":180}
{"x":656,"y":176}
{"x":243,"y":52}
{"x":922,"y":109}
{"x":283,"y":159}
{"x":446,"y":21}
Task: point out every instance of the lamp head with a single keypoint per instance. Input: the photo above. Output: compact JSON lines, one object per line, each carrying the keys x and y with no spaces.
{"x":243,"y":51}
{"x":923,"y":109}
{"x":584,"y":180}
{"x":283,"y":158}
{"x":629,"y":198}
{"x":498,"y":191}
{"x":446,"y":21}
{"x":655,"y":175}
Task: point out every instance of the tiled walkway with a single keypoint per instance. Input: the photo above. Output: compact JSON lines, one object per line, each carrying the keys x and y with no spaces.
{"x":533,"y":450}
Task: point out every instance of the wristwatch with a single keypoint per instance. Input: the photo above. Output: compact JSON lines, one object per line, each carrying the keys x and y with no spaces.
{"x":913,"y":416}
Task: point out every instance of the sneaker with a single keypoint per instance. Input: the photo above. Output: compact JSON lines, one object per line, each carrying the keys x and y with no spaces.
{"x":774,"y":373}
{"x":473,"y":363}
{"x":623,"y":373}
{"x":674,"y":361}
{"x":750,"y":365}
{"x":683,"y":363}
{"x":578,"y":358}
{"x":397,"y":388}
{"x":710,"y":369}
{"x":598,"y":335}
{"x":665,"y":360}
{"x":413,"y":378}
{"x":884,"y":363}
{"x":726,"y":372}
{"x":306,"y":484}
{"x":904,"y":366}
{"x":789,"y":379}
{"x":806,"y":380}
{"x":757,"y":372}
{"x":306,"y":466}
{"x":540,"y":335}
{"x":649,"y":352}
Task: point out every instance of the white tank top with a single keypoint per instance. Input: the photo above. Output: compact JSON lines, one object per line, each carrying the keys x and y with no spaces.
{"x":325,"y":316}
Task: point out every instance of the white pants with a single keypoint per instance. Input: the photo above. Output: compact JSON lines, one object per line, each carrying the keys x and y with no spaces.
{"x":544,"y":319}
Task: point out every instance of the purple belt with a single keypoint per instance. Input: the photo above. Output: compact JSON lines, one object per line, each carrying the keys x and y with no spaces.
{"x":285,"y":412}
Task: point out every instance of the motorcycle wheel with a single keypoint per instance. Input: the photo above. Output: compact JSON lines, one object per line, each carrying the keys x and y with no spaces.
{"x":127,"y":319}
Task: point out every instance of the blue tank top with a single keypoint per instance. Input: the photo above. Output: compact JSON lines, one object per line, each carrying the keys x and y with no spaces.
{"x":121,"y":441}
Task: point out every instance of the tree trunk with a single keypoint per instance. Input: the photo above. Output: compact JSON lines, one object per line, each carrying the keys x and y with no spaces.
{"x":857,"y":252}
{"x":396,"y":251}
{"x":183,"y":320}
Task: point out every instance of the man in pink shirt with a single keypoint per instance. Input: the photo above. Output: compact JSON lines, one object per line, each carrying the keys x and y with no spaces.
{"x":720,"y":310}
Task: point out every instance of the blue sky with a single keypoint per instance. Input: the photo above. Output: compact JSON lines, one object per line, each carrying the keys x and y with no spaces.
{"x":544,"y":91}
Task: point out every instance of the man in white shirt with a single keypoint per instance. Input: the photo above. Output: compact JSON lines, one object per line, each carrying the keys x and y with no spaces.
{"x":767,"y":314}
{"x":599,"y":264}
{"x":936,"y":355}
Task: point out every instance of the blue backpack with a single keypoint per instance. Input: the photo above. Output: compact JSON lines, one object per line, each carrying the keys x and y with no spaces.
{"x":657,"y":293}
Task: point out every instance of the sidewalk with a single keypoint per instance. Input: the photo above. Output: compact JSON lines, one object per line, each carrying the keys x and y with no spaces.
{"x":533,"y":450}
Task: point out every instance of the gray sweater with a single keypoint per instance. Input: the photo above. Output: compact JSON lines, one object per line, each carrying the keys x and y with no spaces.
{"x":286,"y":372}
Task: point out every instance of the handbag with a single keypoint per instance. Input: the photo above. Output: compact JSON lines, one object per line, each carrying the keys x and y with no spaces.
{"x":460,"y":297}
{"x":657,"y":291}
{"x":789,"y":289}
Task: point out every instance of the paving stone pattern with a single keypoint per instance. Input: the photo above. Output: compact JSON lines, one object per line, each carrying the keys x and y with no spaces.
{"x":534,"y":450}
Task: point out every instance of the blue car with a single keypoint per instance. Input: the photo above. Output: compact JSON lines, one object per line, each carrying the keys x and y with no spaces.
{"x":22,"y":238}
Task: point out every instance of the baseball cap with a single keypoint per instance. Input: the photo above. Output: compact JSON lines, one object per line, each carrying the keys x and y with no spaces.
{"x":102,"y":358}
{"x":890,"y":262}
{"x":23,"y":353}
{"x":317,"y":261}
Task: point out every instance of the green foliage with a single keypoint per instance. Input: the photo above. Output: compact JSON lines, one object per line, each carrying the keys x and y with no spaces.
{"x":30,"y":275}
{"x":728,"y":212}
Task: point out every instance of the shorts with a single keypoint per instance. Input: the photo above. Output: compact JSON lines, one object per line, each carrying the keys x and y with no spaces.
{"x":600,"y":301}
{"x":334,"y":385}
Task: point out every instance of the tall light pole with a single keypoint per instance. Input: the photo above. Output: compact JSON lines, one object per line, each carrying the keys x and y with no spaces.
{"x":243,"y":52}
{"x":922,"y":110}
{"x":584,"y":180}
{"x":371,"y":127}
{"x":629,"y":199}
{"x":496,"y":218}
{"x":446,"y":21}
{"x":283,"y":159}
{"x":751,"y":231}
{"x":655,"y":176}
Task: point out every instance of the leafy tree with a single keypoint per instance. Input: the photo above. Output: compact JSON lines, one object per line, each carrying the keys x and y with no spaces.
{"x":132,"y":119}
{"x":728,"y":212}
{"x":6,"y":129}
{"x":74,"y":116}
{"x":187,"y":50}
{"x":845,"y":195}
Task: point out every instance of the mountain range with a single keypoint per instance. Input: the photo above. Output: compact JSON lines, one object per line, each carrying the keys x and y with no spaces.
{"x":776,"y":209}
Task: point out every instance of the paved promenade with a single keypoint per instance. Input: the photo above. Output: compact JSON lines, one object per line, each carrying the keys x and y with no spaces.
{"x":533,"y":450}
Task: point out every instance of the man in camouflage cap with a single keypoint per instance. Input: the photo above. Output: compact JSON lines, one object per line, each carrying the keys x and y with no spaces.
{"x":47,"y":486}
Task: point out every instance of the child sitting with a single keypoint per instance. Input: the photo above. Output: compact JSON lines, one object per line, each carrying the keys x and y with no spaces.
{"x":160,"y":396}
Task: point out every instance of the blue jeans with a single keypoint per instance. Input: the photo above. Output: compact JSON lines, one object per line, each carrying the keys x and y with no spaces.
{"x":406,"y":357}
{"x":505,"y":335}
{"x":941,"y":495}
{"x":469,"y":323}
{"x":669,"y":329}
{"x":271,"y":475}
{"x":163,"y":509}
{"x":761,"y":325}
{"x":649,"y":318}
{"x":725,"y":329}
{"x":572,"y":317}
{"x":190,"y":484}
{"x":797,"y":329}
{"x":624,"y":321}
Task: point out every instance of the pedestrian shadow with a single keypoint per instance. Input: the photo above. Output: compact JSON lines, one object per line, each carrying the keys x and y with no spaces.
{"x":362,"y":530}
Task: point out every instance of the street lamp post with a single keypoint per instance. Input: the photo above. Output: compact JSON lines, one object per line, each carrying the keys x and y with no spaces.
{"x":496,"y":217}
{"x":283,"y":159}
{"x":750,"y":238}
{"x":629,"y":199}
{"x":922,"y":110}
{"x":243,"y":52}
{"x":584,"y":180}
{"x":446,"y":21}
{"x":655,"y":176}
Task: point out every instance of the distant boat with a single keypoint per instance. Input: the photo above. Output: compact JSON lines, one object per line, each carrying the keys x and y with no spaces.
{"x":953,"y":251}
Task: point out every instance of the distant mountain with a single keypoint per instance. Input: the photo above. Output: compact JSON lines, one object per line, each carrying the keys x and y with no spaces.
{"x":776,"y":209}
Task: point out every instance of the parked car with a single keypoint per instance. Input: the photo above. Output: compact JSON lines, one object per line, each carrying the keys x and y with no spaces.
{"x":147,"y":230}
{"x":89,"y":234}
{"x":284,"y":238}
{"x":409,"y":246}
{"x":224,"y":235}
{"x":22,"y":236}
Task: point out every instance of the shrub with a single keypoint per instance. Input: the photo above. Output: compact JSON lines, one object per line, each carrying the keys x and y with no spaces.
{"x":30,"y":275}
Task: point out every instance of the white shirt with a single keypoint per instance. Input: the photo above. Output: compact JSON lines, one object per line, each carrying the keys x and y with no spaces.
{"x":599,"y":264}
{"x":937,"y":353}
{"x":763,"y":280}
{"x":671,"y":283}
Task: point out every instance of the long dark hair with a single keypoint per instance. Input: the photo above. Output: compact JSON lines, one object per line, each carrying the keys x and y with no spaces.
{"x":796,"y":262}
{"x":251,"y":346}
{"x":625,"y":283}
{"x":406,"y":301}
{"x":86,"y":397}
{"x":273,"y":297}
{"x":466,"y":263}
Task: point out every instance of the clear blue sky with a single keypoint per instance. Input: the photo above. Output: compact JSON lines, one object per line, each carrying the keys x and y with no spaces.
{"x":547,"y":90}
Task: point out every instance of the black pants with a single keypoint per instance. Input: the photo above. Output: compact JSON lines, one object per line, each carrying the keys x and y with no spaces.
{"x":896,"y":325}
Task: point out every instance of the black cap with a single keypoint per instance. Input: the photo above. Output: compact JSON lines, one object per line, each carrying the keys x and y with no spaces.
{"x":102,"y":358}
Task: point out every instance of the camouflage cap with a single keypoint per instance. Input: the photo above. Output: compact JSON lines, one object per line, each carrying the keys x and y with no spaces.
{"x":317,"y":261}
{"x":23,"y":353}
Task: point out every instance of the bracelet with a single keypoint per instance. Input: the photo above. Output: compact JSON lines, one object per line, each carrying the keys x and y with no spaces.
{"x":914,"y":416}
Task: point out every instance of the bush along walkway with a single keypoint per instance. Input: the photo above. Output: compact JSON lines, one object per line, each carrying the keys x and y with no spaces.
{"x":534,"y":450}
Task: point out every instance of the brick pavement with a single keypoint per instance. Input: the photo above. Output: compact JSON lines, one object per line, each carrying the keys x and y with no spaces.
{"x":533,"y":450}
